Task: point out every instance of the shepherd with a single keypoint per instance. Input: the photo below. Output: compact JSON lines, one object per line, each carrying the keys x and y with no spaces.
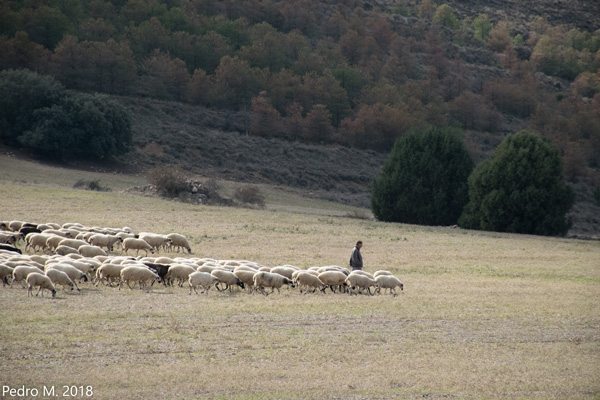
{"x":356,"y":261}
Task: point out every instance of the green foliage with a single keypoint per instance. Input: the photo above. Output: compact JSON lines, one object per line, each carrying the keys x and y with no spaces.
{"x":424,"y":180}
{"x":39,"y":114}
{"x":445,"y":17}
{"x":482,"y":27}
{"x":519,"y":189}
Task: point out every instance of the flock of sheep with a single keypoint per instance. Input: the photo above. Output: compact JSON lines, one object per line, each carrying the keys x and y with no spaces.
{"x":72,"y":253}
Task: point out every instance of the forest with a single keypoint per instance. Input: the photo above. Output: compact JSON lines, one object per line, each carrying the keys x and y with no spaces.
{"x":348,"y":73}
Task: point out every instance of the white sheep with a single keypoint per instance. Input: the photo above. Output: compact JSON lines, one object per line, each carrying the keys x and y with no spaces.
{"x":107,"y":241}
{"x":247,"y":277}
{"x":5,"y":272}
{"x":57,"y":232}
{"x":361,"y":281}
{"x":20,"y":273}
{"x":283,"y":270}
{"x":163,"y":260}
{"x":263,"y":279}
{"x":65,"y":250}
{"x":307,"y":279}
{"x":91,"y":251}
{"x":363,"y":273}
{"x":333,"y":279}
{"x":9,"y":237}
{"x":228,"y":278}
{"x":15,"y":225}
{"x":389,"y":282}
{"x":137,"y":244}
{"x":139,"y":274}
{"x":36,"y":241}
{"x":70,"y":270}
{"x":203,"y":279}
{"x":181,"y":272}
{"x":74,"y":243}
{"x":381,"y":272}
{"x":108,"y":272}
{"x":36,"y":279}
{"x":61,"y":278}
{"x":53,"y":242}
{"x":180,"y":242}
{"x":155,"y":240}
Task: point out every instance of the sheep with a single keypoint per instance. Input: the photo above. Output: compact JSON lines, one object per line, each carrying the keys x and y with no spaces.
{"x":179,"y":241}
{"x":181,"y":272}
{"x":137,"y":244}
{"x":20,"y":273}
{"x":5,"y":272}
{"x":36,"y":240}
{"x":247,"y":277}
{"x":263,"y":279}
{"x":9,"y":237}
{"x":108,"y":273}
{"x":53,"y":242}
{"x":139,"y":274}
{"x":363,"y":273}
{"x":61,"y":278}
{"x":381,"y":272}
{"x":203,"y":279}
{"x":65,"y":250}
{"x":208,"y":268}
{"x":91,"y":251}
{"x":36,"y":279}
{"x":160,"y":269}
{"x":70,"y":270}
{"x":361,"y":281}
{"x":283,"y":270}
{"x":164,"y":260}
{"x":74,"y":243}
{"x":57,"y":232}
{"x":389,"y":282}
{"x":125,"y":235}
{"x":155,"y":240}
{"x":333,"y":279}
{"x":265,"y":269}
{"x":7,"y":247}
{"x":228,"y":278}
{"x":307,"y":279}
{"x":15,"y":225}
{"x":107,"y":241}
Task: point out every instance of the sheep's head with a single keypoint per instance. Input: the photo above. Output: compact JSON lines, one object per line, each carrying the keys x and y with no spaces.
{"x":53,"y":292}
{"x":84,"y":277}
{"x":240,"y":284}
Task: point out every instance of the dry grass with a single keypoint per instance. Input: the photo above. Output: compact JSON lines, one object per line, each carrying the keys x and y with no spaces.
{"x":482,"y":316}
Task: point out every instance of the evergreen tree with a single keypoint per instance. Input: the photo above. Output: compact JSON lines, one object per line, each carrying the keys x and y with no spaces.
{"x":424,"y":180}
{"x":520,"y":189}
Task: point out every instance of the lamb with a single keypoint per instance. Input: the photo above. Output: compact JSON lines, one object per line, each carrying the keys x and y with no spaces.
{"x":137,"y":244}
{"x":107,"y":241}
{"x":139,"y":274}
{"x":228,"y":278}
{"x":247,"y":277}
{"x":155,"y":240}
{"x":381,"y":272}
{"x":203,"y":279}
{"x":361,"y":281}
{"x":389,"y":282}
{"x":70,"y":270}
{"x":181,"y":272}
{"x":179,"y":241}
{"x":5,"y":272}
{"x":36,"y":279}
{"x":61,"y":278}
{"x":308,"y":279}
{"x":333,"y":279}
{"x":20,"y":273}
{"x":65,"y":250}
{"x":108,"y":272}
{"x":91,"y":251}
{"x":263,"y":279}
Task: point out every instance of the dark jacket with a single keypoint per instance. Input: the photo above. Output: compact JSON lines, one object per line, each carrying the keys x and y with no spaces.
{"x":356,"y":259}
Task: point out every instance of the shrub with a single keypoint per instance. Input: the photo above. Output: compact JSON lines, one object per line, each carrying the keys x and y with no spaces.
{"x":424,"y":180}
{"x":89,"y":184}
{"x":250,"y":194}
{"x":520,"y":189}
{"x":169,"y":181}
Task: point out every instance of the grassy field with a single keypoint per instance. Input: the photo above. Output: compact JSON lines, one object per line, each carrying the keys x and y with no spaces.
{"x":483,"y":315}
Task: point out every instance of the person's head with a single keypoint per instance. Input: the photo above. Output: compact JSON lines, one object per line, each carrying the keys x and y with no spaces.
{"x":359,"y":244}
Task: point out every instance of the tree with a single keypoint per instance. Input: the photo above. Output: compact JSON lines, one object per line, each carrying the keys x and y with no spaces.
{"x":482,"y":26}
{"x":445,"y":17}
{"x":424,"y":179}
{"x":266,"y":120}
{"x":519,"y":189}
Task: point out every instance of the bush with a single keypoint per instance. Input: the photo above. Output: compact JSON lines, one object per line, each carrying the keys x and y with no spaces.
{"x":520,"y":189}
{"x":249,"y":194}
{"x":424,"y":180}
{"x":169,"y":181}
{"x":89,"y":184}
{"x":39,"y":114}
